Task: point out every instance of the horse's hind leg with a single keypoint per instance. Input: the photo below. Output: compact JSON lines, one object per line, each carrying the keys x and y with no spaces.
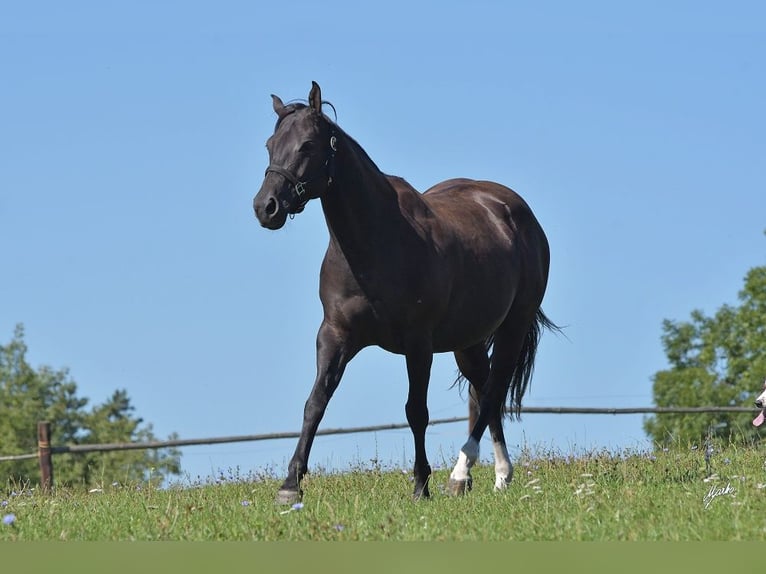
{"x":474,"y":366}
{"x":508,"y":344}
{"x":503,"y":465}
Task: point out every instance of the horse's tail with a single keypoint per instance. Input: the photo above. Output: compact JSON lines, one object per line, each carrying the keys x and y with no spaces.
{"x":522,"y":373}
{"x":525,"y":365}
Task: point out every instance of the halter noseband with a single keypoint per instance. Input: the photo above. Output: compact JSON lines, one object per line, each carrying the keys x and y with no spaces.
{"x":299,"y":187}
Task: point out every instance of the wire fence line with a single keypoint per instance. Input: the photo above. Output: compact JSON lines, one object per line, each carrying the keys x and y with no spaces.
{"x":109,"y":447}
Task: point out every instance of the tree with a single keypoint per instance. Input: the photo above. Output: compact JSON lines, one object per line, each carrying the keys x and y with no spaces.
{"x":714,"y":361}
{"x":30,"y":395}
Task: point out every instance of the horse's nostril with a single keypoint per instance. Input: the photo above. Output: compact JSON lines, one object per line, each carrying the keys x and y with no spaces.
{"x":272,"y":207}
{"x":759,"y":404}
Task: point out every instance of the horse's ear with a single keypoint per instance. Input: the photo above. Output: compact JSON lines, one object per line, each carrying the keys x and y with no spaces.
{"x":279,"y":107}
{"x":315,"y":97}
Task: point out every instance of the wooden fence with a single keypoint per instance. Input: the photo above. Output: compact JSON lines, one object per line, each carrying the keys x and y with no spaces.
{"x":45,"y":451}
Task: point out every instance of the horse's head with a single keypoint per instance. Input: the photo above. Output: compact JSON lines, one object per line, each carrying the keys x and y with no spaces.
{"x":301,"y":156}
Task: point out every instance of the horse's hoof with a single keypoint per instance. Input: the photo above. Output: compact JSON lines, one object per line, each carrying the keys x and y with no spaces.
{"x":459,"y":487}
{"x":285,"y":496}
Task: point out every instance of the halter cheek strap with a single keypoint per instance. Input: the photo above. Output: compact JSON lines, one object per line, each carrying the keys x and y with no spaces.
{"x":331,"y":158}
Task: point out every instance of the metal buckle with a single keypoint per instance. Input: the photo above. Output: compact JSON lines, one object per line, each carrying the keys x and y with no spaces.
{"x":300,"y":188}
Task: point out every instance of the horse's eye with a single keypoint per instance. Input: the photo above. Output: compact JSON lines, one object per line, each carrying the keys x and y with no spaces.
{"x":306,"y":147}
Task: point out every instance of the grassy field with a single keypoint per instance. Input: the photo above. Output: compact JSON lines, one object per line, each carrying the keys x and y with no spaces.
{"x":666,"y":495}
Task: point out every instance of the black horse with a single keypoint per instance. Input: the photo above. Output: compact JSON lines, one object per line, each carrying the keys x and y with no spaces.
{"x":462,"y":268}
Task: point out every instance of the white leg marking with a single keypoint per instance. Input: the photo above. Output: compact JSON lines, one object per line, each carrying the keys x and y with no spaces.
{"x":465,"y":460}
{"x":503,"y":466}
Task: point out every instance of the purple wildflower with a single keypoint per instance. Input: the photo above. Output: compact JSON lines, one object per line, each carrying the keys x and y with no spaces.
{"x":4,"y":503}
{"x":245,"y":503}
{"x":9,"y":519}
{"x":297,"y":506}
{"x":339,"y":527}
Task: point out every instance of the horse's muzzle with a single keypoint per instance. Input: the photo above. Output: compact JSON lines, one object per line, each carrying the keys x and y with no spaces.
{"x":268,"y":211}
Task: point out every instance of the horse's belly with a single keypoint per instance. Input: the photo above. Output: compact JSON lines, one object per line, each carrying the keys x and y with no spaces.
{"x":471,"y":320}
{"x":463,"y":334}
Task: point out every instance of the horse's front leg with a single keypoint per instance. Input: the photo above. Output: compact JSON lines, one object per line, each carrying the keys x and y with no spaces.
{"x":333,"y":354}
{"x":419,"y":373}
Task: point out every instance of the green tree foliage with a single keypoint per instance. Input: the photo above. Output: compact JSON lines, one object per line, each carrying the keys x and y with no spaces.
{"x":30,"y":395}
{"x":714,"y":361}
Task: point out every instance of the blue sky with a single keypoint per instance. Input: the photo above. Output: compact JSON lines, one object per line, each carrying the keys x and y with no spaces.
{"x":131,"y":145}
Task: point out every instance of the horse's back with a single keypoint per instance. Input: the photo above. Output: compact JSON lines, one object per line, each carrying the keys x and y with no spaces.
{"x":456,"y":194}
{"x":473,"y":206}
{"x":475,"y":213}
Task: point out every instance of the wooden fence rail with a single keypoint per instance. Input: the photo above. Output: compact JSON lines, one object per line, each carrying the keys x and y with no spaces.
{"x":45,"y":451}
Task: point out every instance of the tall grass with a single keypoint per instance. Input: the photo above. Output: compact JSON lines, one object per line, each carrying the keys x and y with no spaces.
{"x":664,"y":495}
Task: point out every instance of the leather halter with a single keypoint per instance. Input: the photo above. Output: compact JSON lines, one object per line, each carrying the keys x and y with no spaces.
{"x":298,"y":186}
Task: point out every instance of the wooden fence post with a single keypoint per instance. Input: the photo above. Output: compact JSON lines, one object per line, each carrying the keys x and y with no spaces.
{"x":44,"y":455}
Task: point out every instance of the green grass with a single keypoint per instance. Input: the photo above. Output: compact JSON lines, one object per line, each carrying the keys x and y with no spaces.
{"x":598,"y":496}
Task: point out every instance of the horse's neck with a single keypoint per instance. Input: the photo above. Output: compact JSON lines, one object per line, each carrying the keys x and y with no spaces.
{"x":366,"y":217}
